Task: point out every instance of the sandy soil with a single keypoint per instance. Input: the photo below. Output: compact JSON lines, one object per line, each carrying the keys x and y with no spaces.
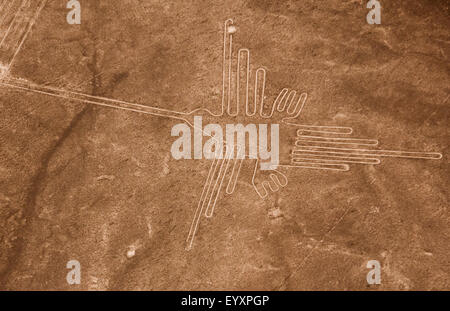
{"x":90,"y":183}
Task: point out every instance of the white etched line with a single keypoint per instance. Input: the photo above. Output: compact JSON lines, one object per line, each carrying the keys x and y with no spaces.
{"x":101,"y":101}
{"x":234,"y":175}
{"x":321,"y":129}
{"x":212,"y":187}
{"x":318,"y":166}
{"x":295,"y":110}
{"x":368,"y":152}
{"x":239,"y":89}
{"x":260,"y":86}
{"x":210,"y":194}
{"x":308,"y":153}
{"x":334,"y":140}
{"x":304,"y":155}
{"x":95,"y":100}
{"x":301,"y":99}
{"x":306,"y":158}
{"x":279,"y":101}
{"x":289,"y":101}
{"x":227,"y":55}
{"x":218,"y":183}
{"x":199,"y":210}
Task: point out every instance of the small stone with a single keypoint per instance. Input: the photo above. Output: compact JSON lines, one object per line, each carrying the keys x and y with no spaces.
{"x":275,"y":213}
{"x":232,"y":29}
{"x":3,"y":70}
{"x":131,"y":253}
{"x":105,"y":177}
{"x":4,"y":198}
{"x":340,"y":116}
{"x":62,"y":238}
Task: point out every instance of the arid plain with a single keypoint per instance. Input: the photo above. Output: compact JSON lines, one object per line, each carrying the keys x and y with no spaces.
{"x":99,"y":185}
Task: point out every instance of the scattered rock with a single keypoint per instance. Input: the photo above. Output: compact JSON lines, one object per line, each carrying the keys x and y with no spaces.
{"x":232,"y":29}
{"x":131,"y":251}
{"x":275,"y":213}
{"x":105,"y":177}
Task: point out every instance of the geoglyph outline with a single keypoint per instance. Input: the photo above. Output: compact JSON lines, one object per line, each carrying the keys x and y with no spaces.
{"x":325,"y":153}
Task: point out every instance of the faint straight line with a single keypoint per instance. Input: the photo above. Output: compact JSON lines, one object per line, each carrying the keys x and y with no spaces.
{"x":313,"y":249}
{"x":30,"y":25}
{"x":10,"y":26}
{"x":2,"y":5}
{"x":7,"y":11}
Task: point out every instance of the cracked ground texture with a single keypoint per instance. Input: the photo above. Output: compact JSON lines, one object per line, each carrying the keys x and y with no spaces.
{"x":91,"y":183}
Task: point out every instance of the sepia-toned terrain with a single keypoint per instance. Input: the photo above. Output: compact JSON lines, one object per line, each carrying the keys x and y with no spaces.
{"x":100,"y":186}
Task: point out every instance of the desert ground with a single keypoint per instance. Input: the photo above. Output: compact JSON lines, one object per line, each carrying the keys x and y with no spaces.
{"x":99,"y":185}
